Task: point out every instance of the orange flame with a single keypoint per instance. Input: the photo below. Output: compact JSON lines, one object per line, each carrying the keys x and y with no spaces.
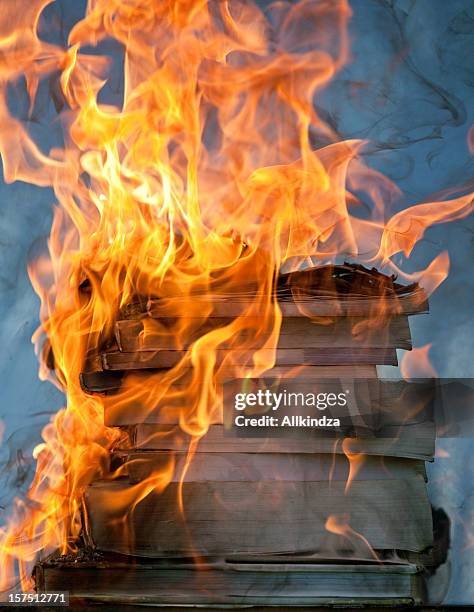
{"x":356,"y":462}
{"x":206,"y":179}
{"x":416,"y":364}
{"x":339,"y":525}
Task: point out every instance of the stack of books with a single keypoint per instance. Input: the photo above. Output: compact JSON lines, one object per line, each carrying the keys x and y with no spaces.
{"x":335,"y":516}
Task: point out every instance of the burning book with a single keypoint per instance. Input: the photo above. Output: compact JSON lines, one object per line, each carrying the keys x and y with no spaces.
{"x":326,"y":500}
{"x":115,"y":580}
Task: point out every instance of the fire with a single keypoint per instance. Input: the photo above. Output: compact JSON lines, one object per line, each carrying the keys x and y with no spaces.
{"x":208,"y":176}
{"x":339,"y":525}
{"x":416,"y":364}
